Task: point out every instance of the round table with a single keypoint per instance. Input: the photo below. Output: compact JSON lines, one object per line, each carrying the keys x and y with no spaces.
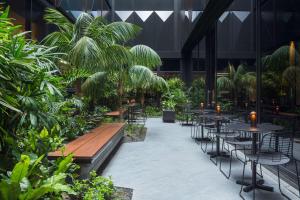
{"x":218,"y":118}
{"x":259,"y":129}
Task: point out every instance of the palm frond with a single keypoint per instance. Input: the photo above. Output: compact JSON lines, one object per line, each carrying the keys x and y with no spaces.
{"x":123,"y":31}
{"x":231,"y":71}
{"x":145,"y":56}
{"x":59,"y":40}
{"x":81,"y":26}
{"x":225,"y":84}
{"x":118,"y":56}
{"x":141,"y":76}
{"x":240,"y":72}
{"x":86,"y":54}
{"x":290,"y":76}
{"x":53,"y":16}
{"x":92,"y":85}
{"x":75,"y":74}
{"x":159,"y":83}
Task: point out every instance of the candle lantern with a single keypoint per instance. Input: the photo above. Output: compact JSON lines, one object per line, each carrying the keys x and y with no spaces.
{"x":218,"y":109}
{"x":277,"y":109}
{"x":201,"y":106}
{"x":253,"y":118}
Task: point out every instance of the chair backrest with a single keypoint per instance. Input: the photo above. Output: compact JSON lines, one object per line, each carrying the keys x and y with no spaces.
{"x":296,"y":151}
{"x":279,"y":144}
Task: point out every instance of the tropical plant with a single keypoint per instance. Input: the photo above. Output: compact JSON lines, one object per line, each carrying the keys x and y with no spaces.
{"x":197,"y":92}
{"x":176,"y":92}
{"x":281,"y":71}
{"x":95,"y":187}
{"x":27,"y":85}
{"x":27,"y":181}
{"x":169,"y":103}
{"x":98,"y":46}
{"x":237,"y":81}
{"x":143,"y":79}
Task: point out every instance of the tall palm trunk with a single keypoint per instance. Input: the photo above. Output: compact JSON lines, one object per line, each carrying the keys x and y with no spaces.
{"x":120,"y":93}
{"x":78,"y":87}
{"x":142,"y":99}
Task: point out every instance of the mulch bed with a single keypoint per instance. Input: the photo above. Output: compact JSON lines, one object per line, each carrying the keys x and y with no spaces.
{"x":138,"y":134}
{"x":122,"y":193}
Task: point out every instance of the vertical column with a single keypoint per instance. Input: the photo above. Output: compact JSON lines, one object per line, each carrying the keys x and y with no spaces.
{"x":186,"y":68}
{"x":258,"y":58}
{"x":28,"y":14}
{"x":211,"y":63}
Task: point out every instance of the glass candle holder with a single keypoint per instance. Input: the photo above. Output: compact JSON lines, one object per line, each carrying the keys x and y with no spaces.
{"x":201,"y":106}
{"x":218,"y":109}
{"x":277,"y":109}
{"x":253,"y":118}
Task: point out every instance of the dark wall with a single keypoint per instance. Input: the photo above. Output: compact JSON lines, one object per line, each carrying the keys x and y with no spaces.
{"x":280,"y":23}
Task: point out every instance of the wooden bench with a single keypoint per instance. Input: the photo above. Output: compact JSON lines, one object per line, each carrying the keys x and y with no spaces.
{"x":91,"y":149}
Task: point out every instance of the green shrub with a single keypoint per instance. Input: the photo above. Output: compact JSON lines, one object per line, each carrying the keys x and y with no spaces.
{"x":31,"y":180}
{"x":153,"y":111}
{"x":94,"y":188}
{"x":197,"y":92}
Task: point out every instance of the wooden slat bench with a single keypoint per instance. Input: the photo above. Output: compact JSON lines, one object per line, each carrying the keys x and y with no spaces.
{"x":91,"y":149}
{"x":118,"y":113}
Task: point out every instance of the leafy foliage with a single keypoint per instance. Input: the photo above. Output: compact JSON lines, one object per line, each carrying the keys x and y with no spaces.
{"x":197,"y":92}
{"x":96,"y":187}
{"x":23,"y":184}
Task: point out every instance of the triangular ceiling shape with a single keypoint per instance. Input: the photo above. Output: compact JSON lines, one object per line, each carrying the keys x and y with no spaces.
{"x":124,"y":14}
{"x":98,"y":13}
{"x":102,"y":13}
{"x":241,"y":15}
{"x":223,"y":16}
{"x":144,"y":15}
{"x":186,"y":13}
{"x":76,"y":13}
{"x":195,"y":14}
{"x":164,"y":15}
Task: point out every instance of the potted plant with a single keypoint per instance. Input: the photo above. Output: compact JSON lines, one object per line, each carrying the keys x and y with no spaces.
{"x":169,"y":109}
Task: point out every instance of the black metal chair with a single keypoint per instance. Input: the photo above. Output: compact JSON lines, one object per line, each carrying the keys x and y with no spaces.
{"x":210,"y":126}
{"x":296,"y":159}
{"x":238,"y":141}
{"x":275,"y":149}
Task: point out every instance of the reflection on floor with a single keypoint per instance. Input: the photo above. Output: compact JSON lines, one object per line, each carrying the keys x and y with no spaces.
{"x":169,"y":165}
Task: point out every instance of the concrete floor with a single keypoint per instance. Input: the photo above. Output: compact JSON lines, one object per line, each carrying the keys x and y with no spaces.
{"x":169,"y":165}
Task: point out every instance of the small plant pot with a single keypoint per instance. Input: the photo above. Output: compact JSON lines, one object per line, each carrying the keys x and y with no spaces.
{"x":169,"y":116}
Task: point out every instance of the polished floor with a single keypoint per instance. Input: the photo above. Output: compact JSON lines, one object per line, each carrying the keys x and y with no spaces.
{"x":169,"y":165}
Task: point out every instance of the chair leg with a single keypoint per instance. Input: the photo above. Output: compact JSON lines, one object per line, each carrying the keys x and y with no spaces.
{"x":279,"y":185}
{"x":297,"y":173}
{"x":230,"y":162}
{"x":260,"y":174}
{"x":243,"y":179}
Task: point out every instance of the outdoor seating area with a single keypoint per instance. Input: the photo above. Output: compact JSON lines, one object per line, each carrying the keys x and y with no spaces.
{"x":149,"y":100}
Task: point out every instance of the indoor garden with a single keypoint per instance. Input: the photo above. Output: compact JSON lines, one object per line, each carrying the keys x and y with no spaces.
{"x":143,"y":100}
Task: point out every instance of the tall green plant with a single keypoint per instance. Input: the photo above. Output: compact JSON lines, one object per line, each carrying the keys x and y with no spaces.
{"x":98,"y":46}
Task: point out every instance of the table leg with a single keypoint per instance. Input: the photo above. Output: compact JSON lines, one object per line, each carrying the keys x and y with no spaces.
{"x":255,"y":184}
{"x":202,"y":138}
{"x":218,"y":153}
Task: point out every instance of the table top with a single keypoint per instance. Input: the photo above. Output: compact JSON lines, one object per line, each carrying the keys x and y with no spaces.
{"x":215,"y":116}
{"x":263,"y":127}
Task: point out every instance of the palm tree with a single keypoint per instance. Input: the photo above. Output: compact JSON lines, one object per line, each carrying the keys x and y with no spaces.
{"x":143,"y":79}
{"x":98,"y":46}
{"x":232,"y":82}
